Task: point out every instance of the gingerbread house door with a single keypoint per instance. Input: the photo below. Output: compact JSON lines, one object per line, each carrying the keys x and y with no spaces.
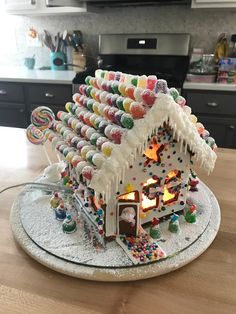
{"x":127,"y":218}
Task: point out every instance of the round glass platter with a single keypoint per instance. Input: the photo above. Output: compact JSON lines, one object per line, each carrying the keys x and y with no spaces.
{"x":40,"y":235}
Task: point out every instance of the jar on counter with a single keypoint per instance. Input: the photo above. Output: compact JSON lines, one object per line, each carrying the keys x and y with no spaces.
{"x":232,"y":46}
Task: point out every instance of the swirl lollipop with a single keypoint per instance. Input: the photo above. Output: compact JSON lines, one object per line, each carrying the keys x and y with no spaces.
{"x":37,"y":137}
{"x":34,"y":135}
{"x":42,"y":117}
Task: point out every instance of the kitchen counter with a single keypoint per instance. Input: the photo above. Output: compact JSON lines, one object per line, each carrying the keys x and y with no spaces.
{"x":21,"y":74}
{"x":207,"y":285}
{"x":210,"y":86}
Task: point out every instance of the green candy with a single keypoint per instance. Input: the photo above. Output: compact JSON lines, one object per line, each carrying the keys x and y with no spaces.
{"x":87,"y":80}
{"x":173,"y":227}
{"x":134,"y":81}
{"x":174,"y":93}
{"x":90,"y":104}
{"x":119,"y":103}
{"x":190,"y":217}
{"x":115,"y":88}
{"x":88,"y":90}
{"x":127,"y":121}
{"x":155,"y":232}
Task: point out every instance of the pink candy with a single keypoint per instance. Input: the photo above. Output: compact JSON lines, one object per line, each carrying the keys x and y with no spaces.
{"x":137,"y":110}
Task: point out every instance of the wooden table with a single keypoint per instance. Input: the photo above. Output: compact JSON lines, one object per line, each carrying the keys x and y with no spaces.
{"x":207,"y":285}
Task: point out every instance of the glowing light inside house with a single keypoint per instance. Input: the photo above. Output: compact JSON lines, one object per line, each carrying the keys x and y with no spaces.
{"x":127,"y":197}
{"x":147,"y":203}
{"x":151,"y":153}
{"x":167,"y":197}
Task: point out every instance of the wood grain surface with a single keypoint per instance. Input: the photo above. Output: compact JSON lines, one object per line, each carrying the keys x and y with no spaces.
{"x":207,"y":285}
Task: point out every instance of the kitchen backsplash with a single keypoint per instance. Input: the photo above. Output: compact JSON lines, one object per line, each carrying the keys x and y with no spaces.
{"x":203,"y":25}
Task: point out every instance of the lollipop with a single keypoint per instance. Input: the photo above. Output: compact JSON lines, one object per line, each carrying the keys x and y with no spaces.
{"x":34,"y":135}
{"x":42,"y":117}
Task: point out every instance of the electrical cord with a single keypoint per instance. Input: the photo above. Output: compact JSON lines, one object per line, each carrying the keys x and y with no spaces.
{"x":50,"y":187}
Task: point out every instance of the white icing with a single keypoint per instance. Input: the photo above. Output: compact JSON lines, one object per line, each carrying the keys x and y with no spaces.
{"x":164,"y":110}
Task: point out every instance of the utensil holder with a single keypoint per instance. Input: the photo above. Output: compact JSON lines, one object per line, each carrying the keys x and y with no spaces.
{"x":80,"y":60}
{"x":57,"y":60}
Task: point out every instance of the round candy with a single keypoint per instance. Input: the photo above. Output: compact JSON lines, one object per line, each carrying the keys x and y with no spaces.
{"x":126,"y":104}
{"x":98,"y":160}
{"x":86,"y":149}
{"x":148,"y":97}
{"x":130,"y":91}
{"x":81,"y":144}
{"x":84,"y":129}
{"x":87,"y":79}
{"x":121,"y":88}
{"x":107,"y":148}
{"x":187,"y":110}
{"x":102,"y":125}
{"x":90,"y":132}
{"x":42,"y":117}
{"x":137,"y":110}
{"x":103,"y":97}
{"x":119,"y":103}
{"x":76,"y":97}
{"x":97,"y":121}
{"x":95,"y":107}
{"x":75,"y":160}
{"x":115,"y":87}
{"x":108,"y":99}
{"x":87,"y":172}
{"x":89,"y":155}
{"x":92,"y":119}
{"x":74,"y":141}
{"x":174,"y":93}
{"x":80,"y":167}
{"x":94,"y":137}
{"x":181,"y":101}
{"x":118,"y":116}
{"x":90,"y":103}
{"x":69,"y":106}
{"x":107,"y":131}
{"x":127,"y":121}
{"x":161,"y":86}
{"x":100,"y":141}
{"x":137,"y":94}
{"x":70,"y":155}
{"x":34,"y":135}
{"x":193,"y":118}
{"x":116,"y":134}
{"x":111,"y":113}
{"x":87,"y":118}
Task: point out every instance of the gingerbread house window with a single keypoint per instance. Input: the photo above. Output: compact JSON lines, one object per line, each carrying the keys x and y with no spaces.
{"x":132,"y":197}
{"x":152,"y":153}
{"x":172,"y":187}
{"x":150,"y":194}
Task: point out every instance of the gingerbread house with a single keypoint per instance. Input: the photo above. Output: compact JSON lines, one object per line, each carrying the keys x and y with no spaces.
{"x":130,"y":146}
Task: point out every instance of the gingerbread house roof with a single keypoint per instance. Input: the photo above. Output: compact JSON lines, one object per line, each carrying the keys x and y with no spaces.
{"x":105,"y":129}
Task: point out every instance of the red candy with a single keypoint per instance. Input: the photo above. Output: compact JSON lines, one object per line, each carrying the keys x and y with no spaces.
{"x":148,"y":97}
{"x":87,"y":172}
{"x":137,"y":110}
{"x":116,"y":135}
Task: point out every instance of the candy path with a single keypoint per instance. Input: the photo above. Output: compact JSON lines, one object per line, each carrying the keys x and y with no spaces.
{"x":207,"y":285}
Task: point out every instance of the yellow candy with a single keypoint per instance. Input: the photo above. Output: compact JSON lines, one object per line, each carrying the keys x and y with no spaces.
{"x":93,"y":93}
{"x":193,"y":118}
{"x":67,"y":106}
{"x":142,"y":215}
{"x":69,"y":156}
{"x":96,"y":108}
{"x":106,"y":76}
{"x":127,"y":103}
{"x":129,"y":188}
{"x":121,"y":88}
{"x":142,"y":81}
{"x":107,"y":148}
{"x":128,"y":79}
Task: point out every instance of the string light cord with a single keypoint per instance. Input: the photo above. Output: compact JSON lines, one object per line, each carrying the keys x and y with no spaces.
{"x":50,"y":187}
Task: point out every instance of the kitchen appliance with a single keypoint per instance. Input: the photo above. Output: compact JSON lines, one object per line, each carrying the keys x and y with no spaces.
{"x":163,"y":55}
{"x":113,"y":3}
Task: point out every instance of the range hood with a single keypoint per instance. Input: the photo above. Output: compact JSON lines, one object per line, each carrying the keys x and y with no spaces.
{"x":112,"y":3}
{"x":120,"y":3}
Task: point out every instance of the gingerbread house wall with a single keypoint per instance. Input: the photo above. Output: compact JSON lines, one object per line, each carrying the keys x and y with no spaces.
{"x":137,"y":174}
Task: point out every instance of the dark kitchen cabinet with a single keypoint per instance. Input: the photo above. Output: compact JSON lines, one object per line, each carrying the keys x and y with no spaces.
{"x":216,"y":110}
{"x":17,"y":101}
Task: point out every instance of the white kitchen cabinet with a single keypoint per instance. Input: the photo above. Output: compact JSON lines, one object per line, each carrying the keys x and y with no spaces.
{"x":39,"y":7}
{"x":213,"y":4}
{"x":21,"y":5}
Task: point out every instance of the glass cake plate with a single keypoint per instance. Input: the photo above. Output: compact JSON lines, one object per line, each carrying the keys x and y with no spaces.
{"x":40,"y":234}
